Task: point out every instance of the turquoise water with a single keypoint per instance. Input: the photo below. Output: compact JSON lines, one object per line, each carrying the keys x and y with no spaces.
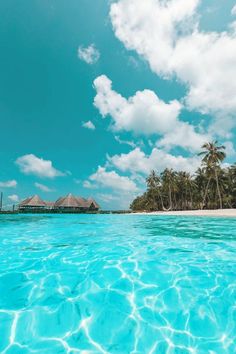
{"x":117,"y":284}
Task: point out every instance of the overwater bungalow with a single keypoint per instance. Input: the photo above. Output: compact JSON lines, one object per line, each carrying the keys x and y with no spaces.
{"x":73,"y":203}
{"x":32,"y":203}
{"x":92,"y":204}
{"x":67,"y":204}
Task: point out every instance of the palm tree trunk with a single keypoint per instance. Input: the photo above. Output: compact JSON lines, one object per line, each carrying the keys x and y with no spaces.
{"x":170,"y":198}
{"x":205,"y":194}
{"x":176,"y":204}
{"x":191,"y":198}
{"x":162,"y":205}
{"x":218,"y":189}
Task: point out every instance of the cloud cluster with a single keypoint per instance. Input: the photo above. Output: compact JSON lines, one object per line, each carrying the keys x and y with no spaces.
{"x":145,"y":113}
{"x":137,"y":162}
{"x":113,"y":190}
{"x":111,"y":180}
{"x":14,"y":198}
{"x":89,"y":54}
{"x":31,"y":164}
{"x":167,"y":35}
{"x":8,"y":184}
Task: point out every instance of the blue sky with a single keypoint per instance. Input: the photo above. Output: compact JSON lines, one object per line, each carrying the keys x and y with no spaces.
{"x":95,"y":94}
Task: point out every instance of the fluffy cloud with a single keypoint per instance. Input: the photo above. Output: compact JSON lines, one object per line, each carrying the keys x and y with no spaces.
{"x":42,"y":187}
{"x":112,"y":180}
{"x":31,"y":164}
{"x":8,"y":184}
{"x":233,"y":11}
{"x":89,"y":125}
{"x":13,"y":198}
{"x":142,"y":113}
{"x":229,"y":149}
{"x":137,"y":162}
{"x":146,"y":113}
{"x":167,"y":35}
{"x":124,"y":189}
{"x":89,"y":54}
{"x":121,"y":201}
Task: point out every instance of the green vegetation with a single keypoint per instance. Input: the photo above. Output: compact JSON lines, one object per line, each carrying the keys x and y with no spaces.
{"x":211,"y":187}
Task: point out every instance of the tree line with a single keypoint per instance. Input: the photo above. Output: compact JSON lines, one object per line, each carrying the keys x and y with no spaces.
{"x":211,"y":187}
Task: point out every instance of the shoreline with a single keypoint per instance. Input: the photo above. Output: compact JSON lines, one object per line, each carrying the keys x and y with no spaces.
{"x":215,"y":213}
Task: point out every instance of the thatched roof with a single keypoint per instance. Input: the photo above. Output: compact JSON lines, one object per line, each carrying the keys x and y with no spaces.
{"x":91,"y":201}
{"x":70,"y":201}
{"x":49,"y":204}
{"x":82,"y":202}
{"x":87,"y":203}
{"x":34,"y":201}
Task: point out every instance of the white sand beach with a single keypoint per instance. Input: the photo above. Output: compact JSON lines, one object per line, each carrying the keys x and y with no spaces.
{"x":215,"y":213}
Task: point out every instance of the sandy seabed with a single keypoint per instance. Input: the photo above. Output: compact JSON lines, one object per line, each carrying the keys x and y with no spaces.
{"x":217,"y":212}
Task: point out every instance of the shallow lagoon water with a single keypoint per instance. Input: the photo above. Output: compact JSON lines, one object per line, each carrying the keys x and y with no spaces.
{"x":117,"y":284}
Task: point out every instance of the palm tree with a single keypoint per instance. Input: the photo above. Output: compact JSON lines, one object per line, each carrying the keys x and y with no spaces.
{"x":201,"y":181}
{"x":228,"y":181}
{"x":186,"y":187}
{"x":153,"y":185}
{"x":213,"y":155}
{"x":169,"y":183}
{"x":212,"y":186}
{"x":152,"y":180}
{"x":190,"y":186}
{"x":182,"y":190}
{"x":232,"y":184}
{"x":209,"y":172}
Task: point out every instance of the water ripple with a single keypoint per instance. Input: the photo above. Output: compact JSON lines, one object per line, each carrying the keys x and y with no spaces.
{"x":117,"y":284}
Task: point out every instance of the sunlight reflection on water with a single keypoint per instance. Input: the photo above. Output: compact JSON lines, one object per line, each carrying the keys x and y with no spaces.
{"x":117,"y":284}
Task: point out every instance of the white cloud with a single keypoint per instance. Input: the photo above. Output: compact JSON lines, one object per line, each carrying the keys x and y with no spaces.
{"x":89,"y":125}
{"x":146,"y":113}
{"x":89,"y":54}
{"x":42,"y":187}
{"x":184,"y":135}
{"x":167,"y":35}
{"x":137,"y":162}
{"x":89,"y":185}
{"x":13,"y":198}
{"x":233,"y":11}
{"x":111,"y":201}
{"x":108,"y":198}
{"x":142,"y":113}
{"x":125,"y":142}
{"x":31,"y":164}
{"x":112,"y":180}
{"x":229,"y":149}
{"x":8,"y":184}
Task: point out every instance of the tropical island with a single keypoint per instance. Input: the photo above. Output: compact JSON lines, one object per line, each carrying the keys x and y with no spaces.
{"x":211,"y":187}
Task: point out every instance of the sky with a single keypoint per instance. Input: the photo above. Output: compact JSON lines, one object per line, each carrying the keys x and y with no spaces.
{"x":96,"y":94}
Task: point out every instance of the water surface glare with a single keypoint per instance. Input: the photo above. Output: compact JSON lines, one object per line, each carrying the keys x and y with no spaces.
{"x":117,"y":284}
